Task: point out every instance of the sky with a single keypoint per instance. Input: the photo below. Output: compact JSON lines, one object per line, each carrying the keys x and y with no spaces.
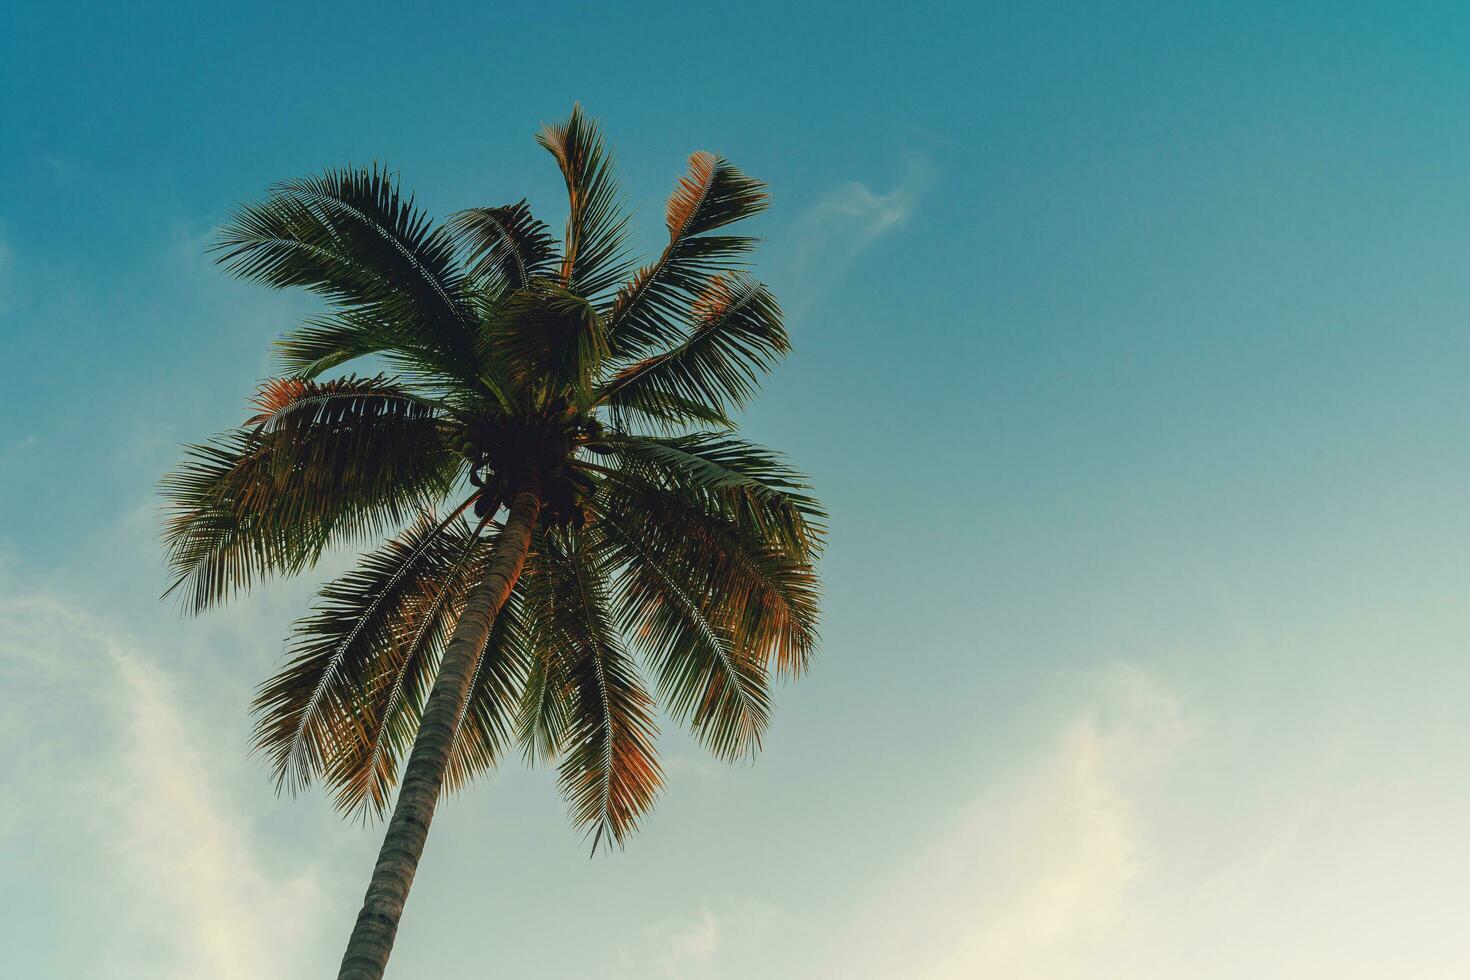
{"x":1130,"y":358}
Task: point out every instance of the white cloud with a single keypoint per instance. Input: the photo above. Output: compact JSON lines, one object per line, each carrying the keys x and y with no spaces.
{"x":1151,"y":841}
{"x":1036,"y":879}
{"x":835,"y":231}
{"x":684,"y":944}
{"x":1039,"y":879}
{"x":703,"y":945}
{"x":120,"y":774}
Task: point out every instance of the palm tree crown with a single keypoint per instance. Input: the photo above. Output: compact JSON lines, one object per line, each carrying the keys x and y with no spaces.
{"x":518,"y":372}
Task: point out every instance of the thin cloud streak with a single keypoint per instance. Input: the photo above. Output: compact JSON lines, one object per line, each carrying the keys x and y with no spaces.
{"x":685,"y":944}
{"x":1033,"y":882}
{"x":829,"y":237}
{"x":702,"y":945}
{"x":1101,"y":858}
{"x":123,"y":779}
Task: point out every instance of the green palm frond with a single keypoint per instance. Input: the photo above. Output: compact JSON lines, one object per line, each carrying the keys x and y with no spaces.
{"x":330,"y":340}
{"x":320,"y":462}
{"x":669,"y":415}
{"x":488,"y":723}
{"x":545,"y":709}
{"x":736,"y":336}
{"x":548,"y":339}
{"x":350,"y":236}
{"x":505,"y":247}
{"x":705,"y":673}
{"x":593,"y":253}
{"x":739,"y":479}
{"x":373,"y":631}
{"x":653,"y":307}
{"x":608,"y":771}
{"x":365,"y":769}
{"x":756,"y":586}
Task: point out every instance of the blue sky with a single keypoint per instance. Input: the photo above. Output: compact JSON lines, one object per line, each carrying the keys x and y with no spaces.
{"x":1130,"y":360}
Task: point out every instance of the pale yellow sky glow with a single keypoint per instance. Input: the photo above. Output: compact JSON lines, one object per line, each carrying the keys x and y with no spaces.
{"x":1092,"y":854}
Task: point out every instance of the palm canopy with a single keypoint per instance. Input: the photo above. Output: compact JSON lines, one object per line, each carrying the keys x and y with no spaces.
{"x":664,"y":543}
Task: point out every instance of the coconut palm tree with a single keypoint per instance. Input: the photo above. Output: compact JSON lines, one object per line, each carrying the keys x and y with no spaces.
{"x":545,"y":443}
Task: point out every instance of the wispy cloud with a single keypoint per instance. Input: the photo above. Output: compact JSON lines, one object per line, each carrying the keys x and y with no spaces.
{"x":61,"y":169}
{"x":1038,"y":879}
{"x":685,"y":943}
{"x":1033,"y":882}
{"x":828,"y":239}
{"x":121,"y":777}
{"x":1154,"y":839}
{"x":702,"y":945}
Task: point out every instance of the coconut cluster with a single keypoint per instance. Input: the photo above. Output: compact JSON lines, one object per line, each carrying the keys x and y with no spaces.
{"x":501,"y":451}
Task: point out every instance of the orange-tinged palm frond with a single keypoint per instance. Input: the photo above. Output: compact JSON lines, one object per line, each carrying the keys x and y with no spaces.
{"x":319,"y":462}
{"x":735,"y":336}
{"x":375,"y":633}
{"x":652,"y":308}
{"x":593,"y":250}
{"x":362,"y":767}
{"x":707,"y":674}
{"x":752,"y":583}
{"x":609,"y":771}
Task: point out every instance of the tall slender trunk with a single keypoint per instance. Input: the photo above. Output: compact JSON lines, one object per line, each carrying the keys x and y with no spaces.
{"x":423,"y":777}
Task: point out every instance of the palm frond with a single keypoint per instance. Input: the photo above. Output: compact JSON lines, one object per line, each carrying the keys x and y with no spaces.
{"x":593,"y":253}
{"x":547,"y":339}
{"x":546,"y":706}
{"x":749,"y":581}
{"x":337,"y":337}
{"x":705,"y":675}
{"x":745,"y":482}
{"x":370,"y":631}
{"x":365,"y":768}
{"x":668,"y":415}
{"x":713,"y":194}
{"x":488,"y":723}
{"x":505,"y":247}
{"x":608,"y":772}
{"x":362,"y":769}
{"x":736,"y":336}
{"x":652,"y":308}
{"x":352,"y":237}
{"x":330,"y":340}
{"x":320,"y":462}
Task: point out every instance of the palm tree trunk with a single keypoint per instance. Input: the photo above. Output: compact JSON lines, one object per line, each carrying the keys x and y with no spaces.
{"x":403,"y":845}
